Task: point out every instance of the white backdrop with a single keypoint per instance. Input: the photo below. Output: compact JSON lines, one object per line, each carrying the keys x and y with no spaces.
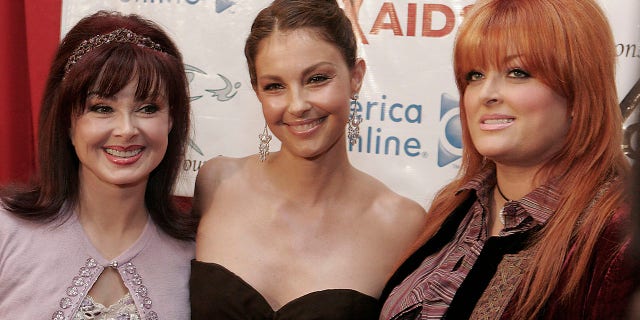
{"x":410,"y":134}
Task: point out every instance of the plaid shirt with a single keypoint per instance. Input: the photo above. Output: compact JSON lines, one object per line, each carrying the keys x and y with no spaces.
{"x":428,"y":291}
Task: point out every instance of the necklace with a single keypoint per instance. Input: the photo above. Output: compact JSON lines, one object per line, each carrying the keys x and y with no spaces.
{"x":501,"y":213}
{"x":502,"y":194}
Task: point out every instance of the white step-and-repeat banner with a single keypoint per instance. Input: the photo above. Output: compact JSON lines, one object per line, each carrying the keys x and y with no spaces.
{"x":411,"y":132}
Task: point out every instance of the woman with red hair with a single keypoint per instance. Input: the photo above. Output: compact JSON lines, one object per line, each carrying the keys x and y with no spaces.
{"x":535,"y":223}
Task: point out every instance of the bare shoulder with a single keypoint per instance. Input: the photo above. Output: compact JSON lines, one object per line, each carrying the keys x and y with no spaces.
{"x":214,"y":173}
{"x":214,"y":168}
{"x":399,"y":216}
{"x":402,"y":211}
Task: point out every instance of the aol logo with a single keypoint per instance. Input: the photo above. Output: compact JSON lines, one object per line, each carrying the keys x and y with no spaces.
{"x":222,"y":5}
{"x":450,"y":142}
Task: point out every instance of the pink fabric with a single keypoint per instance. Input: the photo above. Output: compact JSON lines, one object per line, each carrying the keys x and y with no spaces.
{"x":47,"y":268}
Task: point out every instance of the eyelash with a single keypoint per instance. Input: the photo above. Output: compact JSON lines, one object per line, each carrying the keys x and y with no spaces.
{"x":314,"y":79}
{"x":272,"y":86}
{"x":473,"y":76}
{"x":319,"y":78}
{"x":145,"y":108}
{"x":523,"y":74}
{"x":149,"y":108}
{"x":100,"y":108}
{"x":476,"y":75}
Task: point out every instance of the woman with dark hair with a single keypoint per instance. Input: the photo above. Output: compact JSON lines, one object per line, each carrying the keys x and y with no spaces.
{"x":299,"y":233}
{"x":535,"y":226}
{"x":97,"y":235}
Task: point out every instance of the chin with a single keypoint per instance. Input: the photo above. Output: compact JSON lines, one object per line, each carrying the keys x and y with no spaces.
{"x":128,"y":181}
{"x":495,"y":156}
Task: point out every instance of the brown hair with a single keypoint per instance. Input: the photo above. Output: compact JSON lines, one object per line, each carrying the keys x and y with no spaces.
{"x":323,"y":16}
{"x":107,"y":69}
{"x":568,"y":45}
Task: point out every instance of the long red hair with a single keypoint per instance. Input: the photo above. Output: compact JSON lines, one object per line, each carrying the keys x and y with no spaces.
{"x":568,"y":45}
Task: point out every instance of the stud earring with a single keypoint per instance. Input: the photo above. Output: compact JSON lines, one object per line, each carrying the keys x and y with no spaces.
{"x":353,"y":125}
{"x":263,"y":149}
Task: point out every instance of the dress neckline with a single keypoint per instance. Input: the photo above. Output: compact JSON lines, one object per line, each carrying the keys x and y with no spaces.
{"x":293,"y":302}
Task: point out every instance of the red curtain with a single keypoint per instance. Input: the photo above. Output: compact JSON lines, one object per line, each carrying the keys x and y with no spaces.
{"x":29,"y":35}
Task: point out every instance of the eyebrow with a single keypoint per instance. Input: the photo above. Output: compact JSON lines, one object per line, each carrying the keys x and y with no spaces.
{"x":97,"y":95}
{"x":305,"y":72}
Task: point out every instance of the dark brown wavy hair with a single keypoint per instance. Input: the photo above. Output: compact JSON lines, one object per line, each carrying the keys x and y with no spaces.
{"x":323,"y":16}
{"x":107,"y":69}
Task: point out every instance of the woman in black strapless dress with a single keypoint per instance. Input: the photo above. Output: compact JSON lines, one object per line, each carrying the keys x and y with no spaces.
{"x":299,"y":233}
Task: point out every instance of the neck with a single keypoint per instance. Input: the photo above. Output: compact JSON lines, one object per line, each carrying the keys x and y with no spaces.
{"x":112,"y":217}
{"x":310,"y":180}
{"x":515,"y":182}
{"x":502,"y":193}
{"x":512,"y":183}
{"x":496,"y":220}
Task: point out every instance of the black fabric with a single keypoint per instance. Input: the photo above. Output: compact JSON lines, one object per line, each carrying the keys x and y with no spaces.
{"x":444,"y":235}
{"x":480,"y":275}
{"x":218,"y":293}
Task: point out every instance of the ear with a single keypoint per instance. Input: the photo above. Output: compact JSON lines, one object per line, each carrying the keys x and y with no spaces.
{"x":357,"y":75}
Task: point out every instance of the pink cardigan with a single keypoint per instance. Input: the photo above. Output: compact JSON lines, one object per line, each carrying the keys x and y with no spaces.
{"x":47,"y":269}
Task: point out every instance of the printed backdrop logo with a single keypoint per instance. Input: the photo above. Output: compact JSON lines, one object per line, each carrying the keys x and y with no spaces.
{"x":450,"y":142}
{"x":424,"y":20}
{"x":630,"y":107}
{"x":221,"y":5}
{"x":352,"y":10}
{"x":223,"y":94}
{"x":191,"y":72}
{"x":374,"y":139}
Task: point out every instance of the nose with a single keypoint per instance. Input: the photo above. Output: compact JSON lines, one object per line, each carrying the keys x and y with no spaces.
{"x":125,"y":126}
{"x":298,"y":103}
{"x":490,"y":92}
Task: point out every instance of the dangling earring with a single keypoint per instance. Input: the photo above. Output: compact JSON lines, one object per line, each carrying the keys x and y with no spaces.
{"x":353,"y":125}
{"x":263,"y":149}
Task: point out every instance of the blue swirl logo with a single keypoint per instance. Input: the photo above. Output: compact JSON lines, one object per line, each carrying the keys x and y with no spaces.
{"x":450,"y":142}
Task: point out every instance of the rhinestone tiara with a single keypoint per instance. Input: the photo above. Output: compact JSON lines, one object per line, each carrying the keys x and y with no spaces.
{"x":121,"y":35}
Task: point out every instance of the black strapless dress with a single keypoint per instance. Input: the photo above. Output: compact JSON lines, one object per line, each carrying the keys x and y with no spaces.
{"x":218,"y":293}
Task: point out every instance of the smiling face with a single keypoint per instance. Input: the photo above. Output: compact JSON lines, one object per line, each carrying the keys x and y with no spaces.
{"x":514,"y":118}
{"x":119,"y":140}
{"x":305,"y":86}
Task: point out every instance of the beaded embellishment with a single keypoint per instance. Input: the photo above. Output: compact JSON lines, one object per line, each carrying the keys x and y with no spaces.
{"x":81,"y":284}
{"x":131,"y":276}
{"x":78,"y":289}
{"x":121,"y":35}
